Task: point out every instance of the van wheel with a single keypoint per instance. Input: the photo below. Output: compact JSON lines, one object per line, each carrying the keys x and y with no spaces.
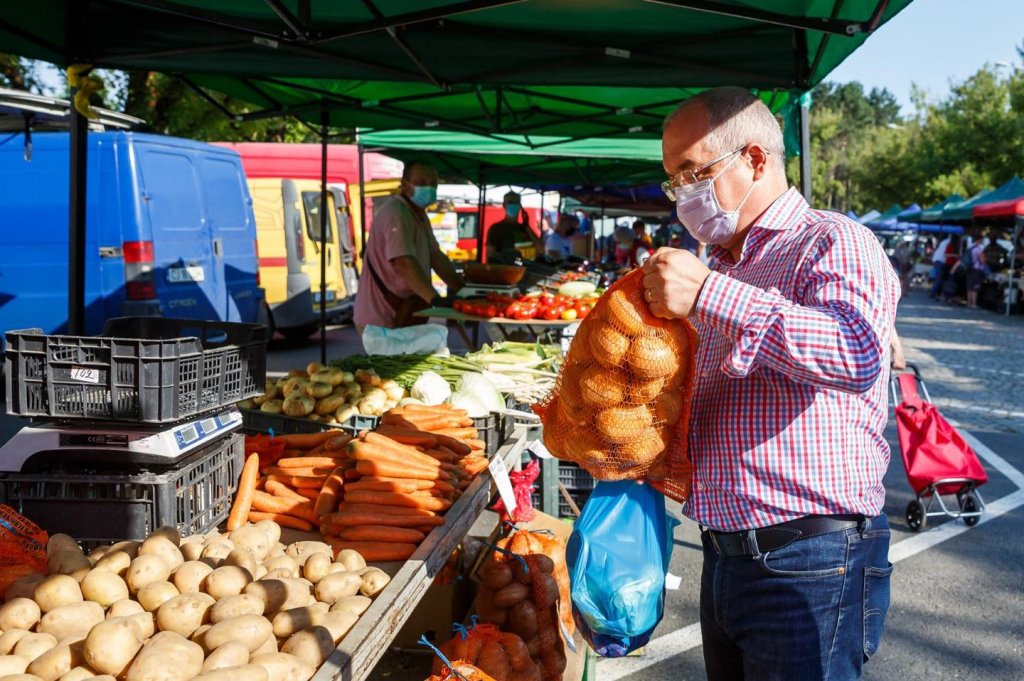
{"x":300,"y":332}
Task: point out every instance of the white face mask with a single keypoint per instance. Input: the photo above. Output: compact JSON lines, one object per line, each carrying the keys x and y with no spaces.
{"x":700,"y":212}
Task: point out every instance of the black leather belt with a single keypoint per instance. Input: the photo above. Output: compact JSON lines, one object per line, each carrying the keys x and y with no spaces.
{"x":774,"y":537}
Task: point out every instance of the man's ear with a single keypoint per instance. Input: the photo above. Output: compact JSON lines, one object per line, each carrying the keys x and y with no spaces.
{"x":758,"y":160}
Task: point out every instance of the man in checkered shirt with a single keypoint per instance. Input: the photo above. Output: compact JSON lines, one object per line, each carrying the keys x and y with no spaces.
{"x":794,"y":313}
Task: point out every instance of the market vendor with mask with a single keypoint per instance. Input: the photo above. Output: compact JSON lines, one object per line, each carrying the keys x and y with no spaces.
{"x":510,"y":238}
{"x":400,"y":253}
{"x":558,"y":245}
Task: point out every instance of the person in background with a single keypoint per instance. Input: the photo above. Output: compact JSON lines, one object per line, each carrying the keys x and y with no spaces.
{"x":978,"y":271}
{"x":400,"y":253}
{"x":939,"y":270}
{"x":558,"y":247}
{"x":628,"y":252}
{"x":504,"y":235}
{"x":642,"y":237}
{"x":789,"y":403}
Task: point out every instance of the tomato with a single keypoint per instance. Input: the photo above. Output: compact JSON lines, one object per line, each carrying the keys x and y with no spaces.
{"x":582,"y":310}
{"x":570,"y":314}
{"x":552,"y":313}
{"x":492,"y":310}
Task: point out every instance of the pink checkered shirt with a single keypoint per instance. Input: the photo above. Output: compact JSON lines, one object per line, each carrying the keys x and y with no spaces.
{"x":790,"y":398}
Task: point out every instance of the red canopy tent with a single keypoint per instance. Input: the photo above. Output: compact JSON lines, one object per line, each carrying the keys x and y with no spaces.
{"x":1012,"y":209}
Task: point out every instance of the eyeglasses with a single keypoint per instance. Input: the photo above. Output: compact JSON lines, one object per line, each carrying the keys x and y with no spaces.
{"x":689,"y":177}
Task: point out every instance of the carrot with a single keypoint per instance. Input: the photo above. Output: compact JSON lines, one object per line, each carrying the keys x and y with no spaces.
{"x":327,"y":500}
{"x":337,"y":443}
{"x":352,"y":474}
{"x":284,"y":491}
{"x":312,"y":472}
{"x":459,"y":433}
{"x":382,"y":533}
{"x":446,"y":455}
{"x":246,"y":492}
{"x":372,"y":451}
{"x":308,"y":462}
{"x":311,"y":493}
{"x":433,"y":409}
{"x":300,"y":481}
{"x":374,"y":552}
{"x":422,"y":484}
{"x":281,"y":519}
{"x":476,"y":445}
{"x":261,"y":482}
{"x":307,"y":440}
{"x":424,"y":422}
{"x":403,"y":487}
{"x":392,"y":499}
{"x":261,"y":501}
{"x":383,"y":443}
{"x":395,"y":470}
{"x":459,"y":447}
{"x":336,"y":522}
{"x":379,"y":509}
{"x":407,"y":436}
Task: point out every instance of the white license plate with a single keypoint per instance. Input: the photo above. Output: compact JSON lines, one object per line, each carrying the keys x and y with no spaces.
{"x":180,"y":275}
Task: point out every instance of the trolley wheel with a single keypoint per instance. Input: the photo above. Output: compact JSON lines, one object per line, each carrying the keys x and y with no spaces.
{"x":969,"y":504}
{"x":916,"y":517}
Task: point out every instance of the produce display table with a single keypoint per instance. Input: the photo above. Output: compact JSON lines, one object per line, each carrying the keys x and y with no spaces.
{"x":459,"y":320}
{"x":358,"y":653}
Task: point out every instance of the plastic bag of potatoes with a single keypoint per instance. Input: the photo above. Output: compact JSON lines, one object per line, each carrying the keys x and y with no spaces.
{"x":620,"y":408}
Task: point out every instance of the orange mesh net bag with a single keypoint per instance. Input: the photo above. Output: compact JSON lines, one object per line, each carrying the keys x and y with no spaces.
{"x":621,"y":406}
{"x":22,"y":547}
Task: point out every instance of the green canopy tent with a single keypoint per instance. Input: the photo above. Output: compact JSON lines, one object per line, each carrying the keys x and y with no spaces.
{"x":961,"y":211}
{"x":891,"y":212}
{"x":551,"y":67}
{"x":934,"y":213}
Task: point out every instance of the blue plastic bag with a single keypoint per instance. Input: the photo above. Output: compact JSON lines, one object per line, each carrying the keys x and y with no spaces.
{"x":618,"y":556}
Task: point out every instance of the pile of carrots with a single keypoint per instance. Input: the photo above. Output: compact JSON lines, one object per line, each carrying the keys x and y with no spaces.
{"x":379,"y":493}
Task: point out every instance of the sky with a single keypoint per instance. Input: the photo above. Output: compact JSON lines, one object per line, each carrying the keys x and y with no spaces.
{"x":933,"y":41}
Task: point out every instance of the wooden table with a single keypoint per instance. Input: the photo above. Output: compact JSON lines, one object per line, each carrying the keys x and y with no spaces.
{"x":459,"y":320}
{"x":361,"y":649}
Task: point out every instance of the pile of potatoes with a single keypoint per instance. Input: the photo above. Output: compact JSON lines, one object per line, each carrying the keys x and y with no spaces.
{"x":232,"y":607}
{"x":327,"y":395}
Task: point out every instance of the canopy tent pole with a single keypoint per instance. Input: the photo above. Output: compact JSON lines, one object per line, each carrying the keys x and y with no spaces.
{"x":362,"y":205}
{"x":324,"y":222}
{"x":540,"y":224}
{"x":480,"y":244}
{"x":76,"y":220}
{"x":1010,"y":294}
{"x":805,"y":149}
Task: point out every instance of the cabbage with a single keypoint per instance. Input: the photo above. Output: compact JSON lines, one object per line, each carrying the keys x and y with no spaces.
{"x":430,"y":388}
{"x":477,"y":394}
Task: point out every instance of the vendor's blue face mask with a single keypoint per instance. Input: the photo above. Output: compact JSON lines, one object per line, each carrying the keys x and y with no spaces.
{"x":512,"y":211}
{"x":423,"y":196}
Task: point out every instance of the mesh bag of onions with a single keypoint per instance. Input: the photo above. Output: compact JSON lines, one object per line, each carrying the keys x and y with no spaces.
{"x":620,"y":408}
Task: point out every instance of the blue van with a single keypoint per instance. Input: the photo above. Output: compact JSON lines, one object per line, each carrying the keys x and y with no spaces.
{"x":169,"y":231}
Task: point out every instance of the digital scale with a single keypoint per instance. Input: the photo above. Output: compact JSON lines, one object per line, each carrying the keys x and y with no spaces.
{"x":45,"y":445}
{"x":482,"y":290}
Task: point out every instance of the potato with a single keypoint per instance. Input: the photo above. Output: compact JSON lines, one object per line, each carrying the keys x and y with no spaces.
{"x":57,"y":661}
{"x":279,"y":573}
{"x":146,"y":622}
{"x":272,"y":406}
{"x":260,"y":573}
{"x":111,"y":646}
{"x":72,"y":562}
{"x":235,"y":606}
{"x":167,"y":657}
{"x":374,"y":581}
{"x":298,"y":404}
{"x":20,"y":677}
{"x":55,"y":591}
{"x":271,"y":529}
{"x":78,"y":674}
{"x":270,"y":646}
{"x":104,"y":587}
{"x":283,"y":667}
{"x":71,"y":621}
{"x":24,"y":587}
{"x":345,"y":413}
{"x":318,"y":389}
{"x":314,"y":367}
{"x":244,"y":672}
{"x":169,"y":532}
{"x":301,"y":550}
{"x":294,"y":386}
{"x":166,"y":548}
{"x":12,"y":664}
{"x":242,"y":558}
{"x":184,"y":614}
{"x":352,"y":560}
{"x":312,"y":645}
{"x":114,"y":561}
{"x":227,"y":580}
{"x":61,"y":542}
{"x":339,"y":623}
{"x":199,"y":635}
{"x":124,"y":608}
{"x":128,"y":546}
{"x":9,"y":639}
{"x":249,"y":630}
{"x":282,"y":563}
{"x":336,"y":586}
{"x":330,"y":404}
{"x":230,"y":654}
{"x":19,"y":613}
{"x":155,"y":594}
{"x":355,"y":605}
{"x":255,"y":539}
{"x":31,"y":646}
{"x":146,"y":569}
{"x":316,"y":566}
{"x":279,"y":594}
{"x":189,"y":576}
{"x":218,"y":549}
{"x":192,"y":551}
{"x":288,"y":622}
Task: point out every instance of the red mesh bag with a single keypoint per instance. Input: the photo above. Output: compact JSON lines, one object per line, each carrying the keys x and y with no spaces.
{"x":22,"y":547}
{"x":498,"y":655}
{"x":621,"y":406}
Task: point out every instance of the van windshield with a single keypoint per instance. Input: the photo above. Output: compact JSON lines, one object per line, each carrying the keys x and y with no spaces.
{"x":467,"y":225}
{"x":311,"y":202}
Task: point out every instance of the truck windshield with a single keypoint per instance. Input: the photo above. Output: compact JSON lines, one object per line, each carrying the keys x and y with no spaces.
{"x":311,"y":202}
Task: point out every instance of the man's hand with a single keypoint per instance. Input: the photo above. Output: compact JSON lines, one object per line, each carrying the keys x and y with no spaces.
{"x":672,"y":281}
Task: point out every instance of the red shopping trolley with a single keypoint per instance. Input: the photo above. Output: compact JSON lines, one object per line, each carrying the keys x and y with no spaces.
{"x":938,"y":460}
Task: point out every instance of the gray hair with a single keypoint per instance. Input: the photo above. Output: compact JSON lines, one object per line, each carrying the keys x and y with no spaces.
{"x":735,"y":118}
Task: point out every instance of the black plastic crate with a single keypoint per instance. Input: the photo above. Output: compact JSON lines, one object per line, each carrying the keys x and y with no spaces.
{"x":256,"y":421}
{"x":574,"y":478}
{"x":147,"y":369}
{"x":95,"y":503}
{"x":490,"y":429}
{"x":357,"y":423}
{"x":579,"y":497}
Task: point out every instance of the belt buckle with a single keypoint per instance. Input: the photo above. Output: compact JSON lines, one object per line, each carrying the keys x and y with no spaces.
{"x":714,"y":542}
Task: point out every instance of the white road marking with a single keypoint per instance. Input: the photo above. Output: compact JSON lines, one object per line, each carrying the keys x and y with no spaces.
{"x":668,"y":646}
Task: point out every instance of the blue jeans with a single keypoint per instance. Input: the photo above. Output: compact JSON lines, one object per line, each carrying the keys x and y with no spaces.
{"x":812,"y":610}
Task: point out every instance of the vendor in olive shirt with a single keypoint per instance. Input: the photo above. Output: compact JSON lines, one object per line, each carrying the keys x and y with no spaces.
{"x":503,"y":236}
